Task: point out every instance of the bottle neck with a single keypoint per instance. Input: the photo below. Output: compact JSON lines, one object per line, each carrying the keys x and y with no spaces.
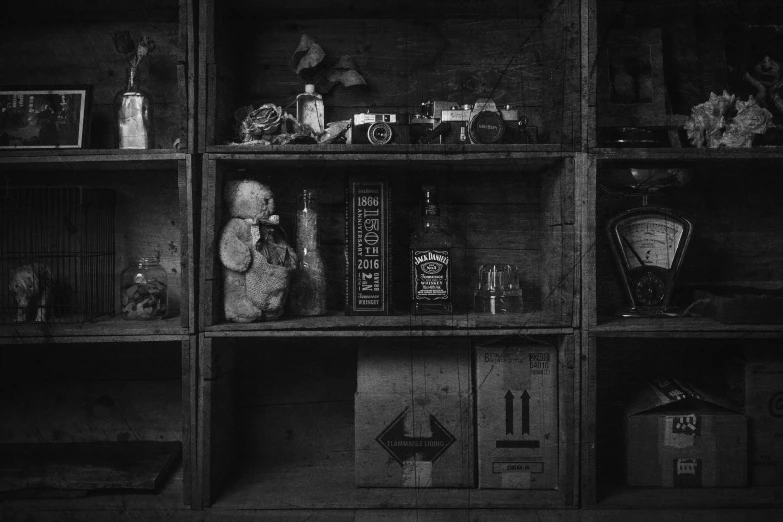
{"x":132,"y":79}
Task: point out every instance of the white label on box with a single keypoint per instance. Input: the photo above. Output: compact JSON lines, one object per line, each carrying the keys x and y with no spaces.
{"x":517,"y":467}
{"x":416,"y":474}
{"x":673,"y":438}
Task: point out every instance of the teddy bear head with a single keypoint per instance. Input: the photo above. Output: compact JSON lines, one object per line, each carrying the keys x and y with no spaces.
{"x":248,"y":199}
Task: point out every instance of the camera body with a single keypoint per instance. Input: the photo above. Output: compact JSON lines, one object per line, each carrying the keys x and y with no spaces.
{"x":380,"y":129}
{"x":482,"y":123}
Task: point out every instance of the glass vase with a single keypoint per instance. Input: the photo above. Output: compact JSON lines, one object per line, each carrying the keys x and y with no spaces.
{"x":144,"y":290}
{"x":134,"y":112}
{"x":308,"y":292}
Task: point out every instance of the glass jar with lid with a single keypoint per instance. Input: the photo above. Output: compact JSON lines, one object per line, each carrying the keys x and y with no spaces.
{"x":144,"y":289}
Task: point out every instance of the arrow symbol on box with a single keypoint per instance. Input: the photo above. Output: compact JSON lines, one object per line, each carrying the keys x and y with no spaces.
{"x":423,"y":449}
{"x":509,"y":413}
{"x":526,"y":413}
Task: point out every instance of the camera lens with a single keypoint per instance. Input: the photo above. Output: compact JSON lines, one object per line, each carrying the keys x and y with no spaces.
{"x":379,"y":133}
{"x":486,"y":127}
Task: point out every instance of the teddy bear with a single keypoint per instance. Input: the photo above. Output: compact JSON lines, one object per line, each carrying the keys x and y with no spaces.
{"x":257,"y":260}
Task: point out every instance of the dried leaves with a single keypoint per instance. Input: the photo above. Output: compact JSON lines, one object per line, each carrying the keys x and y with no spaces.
{"x":309,"y":62}
{"x":124,"y":44}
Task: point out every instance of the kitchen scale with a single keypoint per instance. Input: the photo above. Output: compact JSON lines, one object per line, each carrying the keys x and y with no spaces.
{"x":648,"y":242}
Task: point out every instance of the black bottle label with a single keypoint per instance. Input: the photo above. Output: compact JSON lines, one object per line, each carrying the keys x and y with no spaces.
{"x":367,"y":224}
{"x":430,"y":275}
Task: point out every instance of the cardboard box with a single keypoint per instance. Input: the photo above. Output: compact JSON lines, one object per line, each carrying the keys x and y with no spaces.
{"x":414,"y":415}
{"x":367,"y":252}
{"x":516,"y":388}
{"x":679,"y":436}
{"x":764,"y":408}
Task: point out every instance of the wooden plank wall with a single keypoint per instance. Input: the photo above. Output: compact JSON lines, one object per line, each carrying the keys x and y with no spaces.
{"x":217,"y":451}
{"x":494,"y":216}
{"x":735,"y":239}
{"x":92,"y":392}
{"x":147,"y":218}
{"x":41,"y":55}
{"x":517,"y":60}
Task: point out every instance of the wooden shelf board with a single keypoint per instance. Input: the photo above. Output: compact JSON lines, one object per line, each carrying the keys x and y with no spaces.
{"x":338,"y":324}
{"x":91,"y":158}
{"x":691,"y":498}
{"x":667,"y":154}
{"x":136,"y":465}
{"x":102,"y":330}
{"x":331,"y":485}
{"x":513,"y":155}
{"x":679,"y":327}
{"x":168,"y":498}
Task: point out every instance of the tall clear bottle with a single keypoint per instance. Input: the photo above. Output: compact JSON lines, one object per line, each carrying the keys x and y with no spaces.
{"x":134,"y":115}
{"x":308,"y":292}
{"x":430,"y":259}
{"x":310,"y":108}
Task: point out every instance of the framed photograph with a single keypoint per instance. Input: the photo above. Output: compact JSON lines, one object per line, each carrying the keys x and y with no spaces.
{"x":631,"y":89}
{"x":44,"y":118}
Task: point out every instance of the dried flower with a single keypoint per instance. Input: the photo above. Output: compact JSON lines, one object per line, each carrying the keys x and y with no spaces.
{"x":724,"y":121}
{"x":125,"y":45}
{"x":123,"y":42}
{"x":264,"y":120}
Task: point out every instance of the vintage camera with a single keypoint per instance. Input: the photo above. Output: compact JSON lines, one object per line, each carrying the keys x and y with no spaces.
{"x":482,"y":123}
{"x":380,"y":129}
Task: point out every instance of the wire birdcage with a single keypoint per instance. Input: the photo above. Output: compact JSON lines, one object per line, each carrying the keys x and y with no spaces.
{"x":56,"y":254}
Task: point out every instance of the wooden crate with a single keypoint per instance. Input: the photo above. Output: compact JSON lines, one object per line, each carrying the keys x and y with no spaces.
{"x":128,"y":401}
{"x":153,"y":212}
{"x":277,"y":430}
{"x":519,"y":210}
{"x":734,"y":243}
{"x":525,"y":54}
{"x":48,"y":44}
{"x":613,"y":365}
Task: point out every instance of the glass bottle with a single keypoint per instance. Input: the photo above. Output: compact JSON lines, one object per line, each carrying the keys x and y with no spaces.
{"x":430,"y":259}
{"x":144,"y":289}
{"x":308,"y":292}
{"x":310,"y":109}
{"x":134,"y":115}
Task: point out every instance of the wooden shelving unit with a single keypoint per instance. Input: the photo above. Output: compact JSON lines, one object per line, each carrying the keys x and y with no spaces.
{"x":735,"y":233}
{"x":264,"y":413}
{"x":111,"y":401}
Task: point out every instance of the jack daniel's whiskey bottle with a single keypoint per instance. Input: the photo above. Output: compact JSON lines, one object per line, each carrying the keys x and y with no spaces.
{"x":430,"y":260}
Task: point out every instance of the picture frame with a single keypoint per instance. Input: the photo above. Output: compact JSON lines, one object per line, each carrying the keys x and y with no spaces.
{"x":45,"y":117}
{"x":632,"y":91}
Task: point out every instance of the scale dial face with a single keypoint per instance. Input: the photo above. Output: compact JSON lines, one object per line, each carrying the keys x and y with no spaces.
{"x":649,"y":240}
{"x":650,"y":290}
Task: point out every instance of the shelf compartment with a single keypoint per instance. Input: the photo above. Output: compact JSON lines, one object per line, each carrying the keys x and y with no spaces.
{"x":277,"y":431}
{"x":46,"y":44}
{"x":94,"y":407}
{"x":520,"y":55}
{"x":697,"y":58}
{"x":734,"y":245}
{"x":499,"y":213}
{"x":153,"y":213}
{"x":613,"y":368}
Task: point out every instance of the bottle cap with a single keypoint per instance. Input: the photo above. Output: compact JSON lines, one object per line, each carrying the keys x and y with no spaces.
{"x":310,"y":88}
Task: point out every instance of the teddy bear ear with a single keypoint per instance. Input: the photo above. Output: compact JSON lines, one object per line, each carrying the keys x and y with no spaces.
{"x":230,"y":191}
